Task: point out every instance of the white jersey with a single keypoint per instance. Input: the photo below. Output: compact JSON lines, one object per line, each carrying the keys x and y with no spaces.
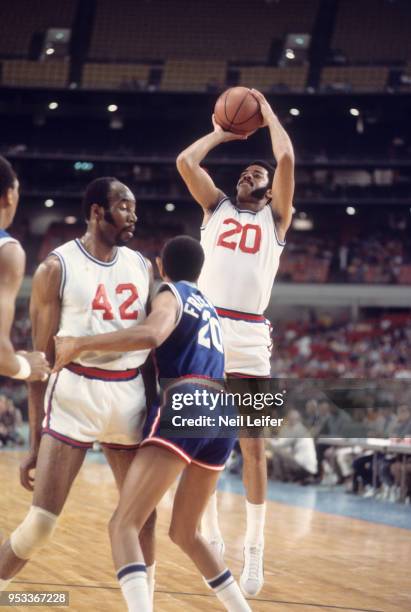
{"x":99,"y":297}
{"x":242,"y":255}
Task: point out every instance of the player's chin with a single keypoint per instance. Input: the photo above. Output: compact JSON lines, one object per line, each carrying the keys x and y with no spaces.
{"x":243,"y":189}
{"x":124,"y":237}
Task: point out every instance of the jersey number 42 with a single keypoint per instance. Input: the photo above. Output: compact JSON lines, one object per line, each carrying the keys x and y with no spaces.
{"x":101,"y":302}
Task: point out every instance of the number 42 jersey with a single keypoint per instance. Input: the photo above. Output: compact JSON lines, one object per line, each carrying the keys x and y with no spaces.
{"x":99,"y":297}
{"x":242,"y":255}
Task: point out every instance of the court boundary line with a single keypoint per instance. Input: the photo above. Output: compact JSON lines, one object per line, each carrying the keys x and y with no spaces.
{"x":210,"y":596}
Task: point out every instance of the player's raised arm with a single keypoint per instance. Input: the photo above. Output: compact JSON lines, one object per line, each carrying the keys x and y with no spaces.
{"x":198,"y":181}
{"x":148,"y":335}
{"x":283,"y":182}
{"x":45,"y":317}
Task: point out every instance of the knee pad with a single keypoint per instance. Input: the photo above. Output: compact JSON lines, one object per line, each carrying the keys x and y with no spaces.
{"x":36,"y":529}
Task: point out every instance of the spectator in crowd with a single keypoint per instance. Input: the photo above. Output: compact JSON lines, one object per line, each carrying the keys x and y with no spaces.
{"x":10,"y":421}
{"x":293,"y":452}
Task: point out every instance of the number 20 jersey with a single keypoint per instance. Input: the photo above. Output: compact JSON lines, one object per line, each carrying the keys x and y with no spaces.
{"x":195,"y":346}
{"x":99,"y":297}
{"x":242,"y":255}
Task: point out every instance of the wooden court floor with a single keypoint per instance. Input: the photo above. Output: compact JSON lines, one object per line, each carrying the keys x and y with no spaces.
{"x":314,"y":562}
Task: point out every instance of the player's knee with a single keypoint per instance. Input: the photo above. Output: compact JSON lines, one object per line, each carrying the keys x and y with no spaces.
{"x":120,"y":526}
{"x":253,"y":450}
{"x":182,"y":536}
{"x":149,"y":526}
{"x":33,"y":533}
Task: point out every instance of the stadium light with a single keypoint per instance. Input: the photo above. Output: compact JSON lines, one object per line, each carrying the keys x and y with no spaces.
{"x":170,"y":207}
{"x":50,"y":51}
{"x":70,"y":220}
{"x":350,"y":210}
{"x":294,"y":112}
{"x":53,"y":105}
{"x":289,"y":54}
{"x":49,"y":203}
{"x":354,"y":112}
{"x":112,"y":108}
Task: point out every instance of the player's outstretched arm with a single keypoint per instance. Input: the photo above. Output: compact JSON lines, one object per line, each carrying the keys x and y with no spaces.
{"x":149,"y":335}
{"x":45,"y":318}
{"x":283,"y":182}
{"x":199,"y":183}
{"x":20,"y":365}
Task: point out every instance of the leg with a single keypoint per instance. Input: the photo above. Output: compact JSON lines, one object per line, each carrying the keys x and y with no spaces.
{"x":194,"y":490}
{"x":152,"y":472}
{"x":255,"y":484}
{"x":120,"y":461}
{"x":254,"y":469}
{"x":57,"y":466}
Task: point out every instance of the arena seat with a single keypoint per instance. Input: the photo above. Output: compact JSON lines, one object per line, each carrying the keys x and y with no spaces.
{"x":21,"y":19}
{"x":26,"y":73}
{"x":355,"y":78}
{"x":115,"y":76}
{"x":270,"y":78}
{"x":373,"y":31}
{"x":145,"y":31}
{"x":193,"y":75}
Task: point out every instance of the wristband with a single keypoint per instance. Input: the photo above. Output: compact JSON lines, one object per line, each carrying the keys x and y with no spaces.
{"x":25,"y":369}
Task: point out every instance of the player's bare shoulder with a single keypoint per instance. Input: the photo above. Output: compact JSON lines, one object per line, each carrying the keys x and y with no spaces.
{"x":47,"y":277}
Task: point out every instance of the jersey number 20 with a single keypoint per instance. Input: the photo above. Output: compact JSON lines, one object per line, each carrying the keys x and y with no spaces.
{"x":210,"y":333}
{"x":101,"y":302}
{"x":248,"y":237}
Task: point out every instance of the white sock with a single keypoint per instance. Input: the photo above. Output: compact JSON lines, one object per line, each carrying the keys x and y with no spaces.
{"x":151,"y":572}
{"x":134,"y":586}
{"x":4,"y":584}
{"x":209,"y":523}
{"x":255,"y":524}
{"x":228,"y":592}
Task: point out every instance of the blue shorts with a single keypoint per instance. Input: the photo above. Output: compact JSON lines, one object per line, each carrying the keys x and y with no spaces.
{"x":205,"y":445}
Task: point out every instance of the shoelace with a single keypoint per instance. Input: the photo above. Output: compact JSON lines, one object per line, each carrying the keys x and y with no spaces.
{"x":254,"y":562}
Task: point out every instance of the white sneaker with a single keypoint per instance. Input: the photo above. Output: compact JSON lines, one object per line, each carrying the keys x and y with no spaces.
{"x":252,"y":577}
{"x":218,"y":547}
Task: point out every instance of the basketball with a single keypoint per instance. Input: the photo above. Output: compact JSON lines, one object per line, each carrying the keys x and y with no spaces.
{"x":238,"y":111}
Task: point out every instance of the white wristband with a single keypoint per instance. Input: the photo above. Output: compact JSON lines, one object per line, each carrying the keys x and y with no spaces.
{"x":25,"y":368}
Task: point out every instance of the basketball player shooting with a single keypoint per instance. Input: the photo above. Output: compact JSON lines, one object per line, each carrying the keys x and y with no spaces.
{"x":20,"y":365}
{"x":243,"y":240}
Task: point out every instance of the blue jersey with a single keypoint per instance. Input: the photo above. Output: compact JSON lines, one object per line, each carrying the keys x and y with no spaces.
{"x":195,"y":347}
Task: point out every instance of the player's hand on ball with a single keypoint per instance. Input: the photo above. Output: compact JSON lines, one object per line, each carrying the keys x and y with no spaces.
{"x":28,"y":464}
{"x":266,"y":110}
{"x":226,"y":136}
{"x":66,"y":351}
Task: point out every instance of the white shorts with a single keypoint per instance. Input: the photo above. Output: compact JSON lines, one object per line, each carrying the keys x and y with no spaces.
{"x":81,"y":409}
{"x":247,"y":346}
